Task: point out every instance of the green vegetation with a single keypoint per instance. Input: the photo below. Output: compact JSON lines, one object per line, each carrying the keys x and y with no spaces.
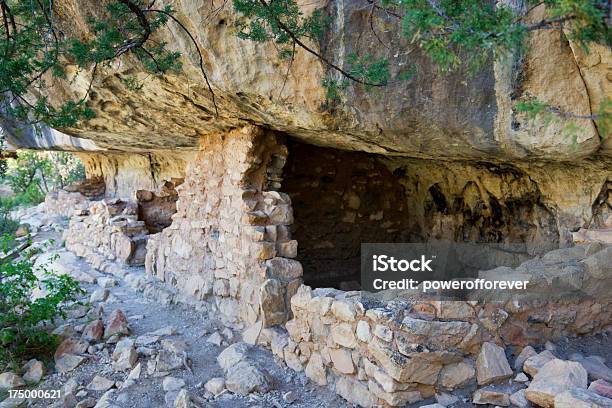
{"x":454,"y":34}
{"x":30,"y":297}
{"x":33,"y":174}
{"x":35,"y":52}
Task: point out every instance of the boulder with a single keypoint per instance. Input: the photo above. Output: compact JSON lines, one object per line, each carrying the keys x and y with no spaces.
{"x":168,"y":361}
{"x":68,"y":362}
{"x":99,"y":295}
{"x":595,"y":368}
{"x":552,"y":379}
{"x":492,"y":365}
{"x":518,"y":399}
{"x":173,"y":384}
{"x":446,"y":399}
{"x":94,"y":331}
{"x":232,"y":355}
{"x":124,"y":355}
{"x":183,"y":400}
{"x":521,"y":378}
{"x":251,"y":334}
{"x":106,"y":401}
{"x":100,"y":383}
{"x":525,"y":353}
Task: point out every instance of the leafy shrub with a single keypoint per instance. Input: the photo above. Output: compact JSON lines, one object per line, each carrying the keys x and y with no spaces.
{"x":30,"y":297}
{"x":7,"y":224}
{"x":33,"y":174}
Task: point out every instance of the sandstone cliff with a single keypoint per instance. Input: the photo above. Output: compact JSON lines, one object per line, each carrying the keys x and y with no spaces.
{"x":432,"y":115}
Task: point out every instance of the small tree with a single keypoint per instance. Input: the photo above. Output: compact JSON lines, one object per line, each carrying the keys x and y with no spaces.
{"x":30,"y":297}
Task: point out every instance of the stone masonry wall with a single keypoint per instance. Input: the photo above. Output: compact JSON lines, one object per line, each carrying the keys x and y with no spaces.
{"x":64,"y":203}
{"x":229,"y":241}
{"x":404,"y":349}
{"x":109,"y":230}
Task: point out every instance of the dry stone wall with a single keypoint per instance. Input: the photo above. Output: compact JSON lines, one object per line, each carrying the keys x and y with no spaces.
{"x":64,"y":203}
{"x":229,"y":241}
{"x":107,"y":231}
{"x":407,"y":348}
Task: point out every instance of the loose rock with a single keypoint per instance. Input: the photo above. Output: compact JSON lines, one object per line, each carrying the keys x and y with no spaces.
{"x":519,"y":399}
{"x":215,"y":385}
{"x":552,"y":379}
{"x":100,"y":383}
{"x":10,"y":380}
{"x":527,"y":352}
{"x":183,"y":400}
{"x":125,"y":355}
{"x":117,"y":324}
{"x":34,"y":371}
{"x":533,"y":364}
{"x":580,"y":398}
{"x":601,"y":387}
{"x":492,"y":365}
{"x":93,"y":331}
{"x":244,"y":378}
{"x":173,"y":384}
{"x":483,"y":397}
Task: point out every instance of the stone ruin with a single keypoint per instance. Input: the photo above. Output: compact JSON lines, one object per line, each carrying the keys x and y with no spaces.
{"x":228,"y":234}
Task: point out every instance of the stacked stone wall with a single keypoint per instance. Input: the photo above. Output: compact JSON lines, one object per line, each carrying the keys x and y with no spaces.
{"x":229,"y":241}
{"x":64,"y":203}
{"x":109,"y":230}
{"x":373,"y":351}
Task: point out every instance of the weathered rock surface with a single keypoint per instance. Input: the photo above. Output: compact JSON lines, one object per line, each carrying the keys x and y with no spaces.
{"x":117,"y":324}
{"x":34,"y":370}
{"x":580,"y":398}
{"x":10,"y":380}
{"x":492,"y":365}
{"x":534,"y":363}
{"x":483,"y":397}
{"x":469,"y":119}
{"x":244,"y":378}
{"x":602,"y":388}
{"x":554,"y":378}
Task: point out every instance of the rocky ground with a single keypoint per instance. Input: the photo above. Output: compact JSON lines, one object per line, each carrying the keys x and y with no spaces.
{"x":122,"y":349}
{"x":170,"y":351}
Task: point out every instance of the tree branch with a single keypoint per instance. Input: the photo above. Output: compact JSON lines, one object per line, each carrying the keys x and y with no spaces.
{"x":195,"y":43}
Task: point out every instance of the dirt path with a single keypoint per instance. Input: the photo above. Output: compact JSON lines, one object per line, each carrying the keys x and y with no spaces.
{"x":194,"y":328}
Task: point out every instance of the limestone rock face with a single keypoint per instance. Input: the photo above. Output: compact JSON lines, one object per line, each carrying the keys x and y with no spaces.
{"x":431,"y":115}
